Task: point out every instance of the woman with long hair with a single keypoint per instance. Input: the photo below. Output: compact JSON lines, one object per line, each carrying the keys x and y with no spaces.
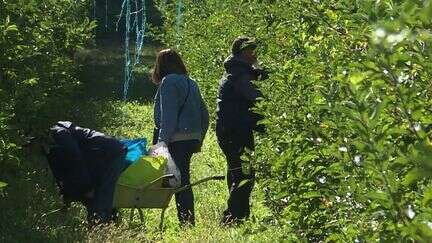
{"x":181,"y":120}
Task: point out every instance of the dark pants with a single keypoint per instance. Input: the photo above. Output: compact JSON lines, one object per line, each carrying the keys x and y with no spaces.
{"x":240,"y":182}
{"x":181,"y":153}
{"x":104,"y":174}
{"x":100,"y":208}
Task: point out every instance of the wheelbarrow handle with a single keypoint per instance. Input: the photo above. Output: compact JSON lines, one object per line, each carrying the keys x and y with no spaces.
{"x":219,"y":178}
{"x":167,"y":176}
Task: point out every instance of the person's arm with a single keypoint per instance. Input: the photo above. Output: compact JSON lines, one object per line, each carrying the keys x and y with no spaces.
{"x":169,"y":107}
{"x":77,"y":179}
{"x":246,"y":88}
{"x":262,"y":73}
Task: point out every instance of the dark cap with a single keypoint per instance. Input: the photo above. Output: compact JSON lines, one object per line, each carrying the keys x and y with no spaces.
{"x":243,"y":43}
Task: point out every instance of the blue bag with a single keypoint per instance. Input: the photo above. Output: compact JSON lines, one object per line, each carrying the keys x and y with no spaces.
{"x":136,"y":149}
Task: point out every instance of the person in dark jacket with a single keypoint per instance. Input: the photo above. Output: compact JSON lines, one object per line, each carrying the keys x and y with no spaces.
{"x":86,"y":165}
{"x":181,"y":120}
{"x":236,"y":122}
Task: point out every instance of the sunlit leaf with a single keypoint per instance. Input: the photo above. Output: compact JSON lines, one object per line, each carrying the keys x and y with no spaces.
{"x":427,"y":197}
{"x":380,"y":197}
{"x":313,"y":194}
{"x":3,"y":184}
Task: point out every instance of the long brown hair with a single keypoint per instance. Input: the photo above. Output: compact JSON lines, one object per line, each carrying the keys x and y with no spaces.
{"x":168,"y":61}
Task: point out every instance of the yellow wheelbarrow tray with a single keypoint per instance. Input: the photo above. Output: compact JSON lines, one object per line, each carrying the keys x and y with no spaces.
{"x":151,"y":195}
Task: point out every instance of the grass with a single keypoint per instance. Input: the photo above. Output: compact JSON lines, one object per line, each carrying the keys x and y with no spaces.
{"x":28,"y":210}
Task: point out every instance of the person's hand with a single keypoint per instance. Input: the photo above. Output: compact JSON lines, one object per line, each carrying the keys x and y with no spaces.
{"x":262,"y":73}
{"x":156,"y":146}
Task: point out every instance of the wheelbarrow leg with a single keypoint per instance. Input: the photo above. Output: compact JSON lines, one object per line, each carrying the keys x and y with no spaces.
{"x":141,"y":215}
{"x":132,"y":211}
{"x":162,"y":219}
{"x":118,"y":217}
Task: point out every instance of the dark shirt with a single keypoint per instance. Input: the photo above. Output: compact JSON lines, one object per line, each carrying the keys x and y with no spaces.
{"x":237,"y":95}
{"x":82,"y":156}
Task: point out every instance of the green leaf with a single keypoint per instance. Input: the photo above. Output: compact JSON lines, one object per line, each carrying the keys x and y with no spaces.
{"x":31,"y":81}
{"x":12,"y":28}
{"x":357,"y":78}
{"x":422,"y":156}
{"x":413,"y":176}
{"x":317,"y":170}
{"x":312,"y":194}
{"x":381,"y":197}
{"x":2,"y":184}
{"x":427,"y":197}
{"x":373,"y":119}
{"x":243,"y":183}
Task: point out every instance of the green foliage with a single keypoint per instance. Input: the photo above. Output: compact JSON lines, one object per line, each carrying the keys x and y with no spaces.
{"x":38,"y":40}
{"x":347,"y":155}
{"x":30,"y":209}
{"x":2,"y":185}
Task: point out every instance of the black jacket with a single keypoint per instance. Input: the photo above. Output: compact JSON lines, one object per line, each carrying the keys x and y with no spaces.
{"x":237,"y":95}
{"x":80,"y":156}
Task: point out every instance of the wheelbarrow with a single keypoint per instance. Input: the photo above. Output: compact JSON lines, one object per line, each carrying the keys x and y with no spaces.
{"x":151,"y":194}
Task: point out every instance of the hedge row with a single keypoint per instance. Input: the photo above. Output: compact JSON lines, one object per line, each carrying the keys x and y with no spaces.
{"x":347,"y":153}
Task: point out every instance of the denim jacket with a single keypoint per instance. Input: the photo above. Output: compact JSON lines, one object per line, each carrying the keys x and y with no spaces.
{"x":180,"y":112}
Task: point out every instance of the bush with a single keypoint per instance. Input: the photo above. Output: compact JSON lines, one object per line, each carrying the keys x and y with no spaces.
{"x":37,"y":71}
{"x":347,"y":154}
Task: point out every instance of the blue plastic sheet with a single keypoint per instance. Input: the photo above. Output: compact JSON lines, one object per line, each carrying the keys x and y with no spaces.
{"x":136,"y":149}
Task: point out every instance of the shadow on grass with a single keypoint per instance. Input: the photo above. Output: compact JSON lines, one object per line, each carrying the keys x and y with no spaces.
{"x":102,"y":73}
{"x":30,"y":204}
{"x":102,"y":77}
